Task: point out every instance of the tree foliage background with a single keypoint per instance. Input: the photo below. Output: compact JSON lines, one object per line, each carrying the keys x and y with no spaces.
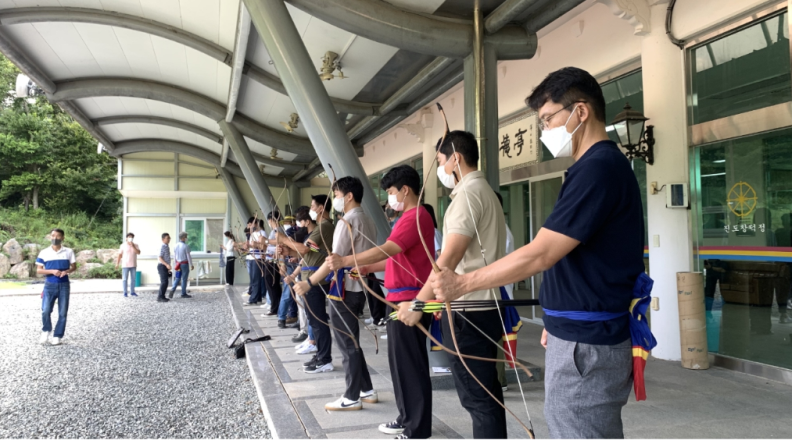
{"x":49,"y":161}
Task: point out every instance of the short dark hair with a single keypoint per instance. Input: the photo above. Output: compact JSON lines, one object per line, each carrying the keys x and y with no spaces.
{"x":350,"y":184}
{"x":302,"y":214}
{"x":462,"y":142}
{"x":58,"y":230}
{"x":131,"y":235}
{"x":251,"y":220}
{"x":402,"y":175}
{"x":500,"y":198}
{"x":165,"y":234}
{"x":274,"y":215}
{"x":429,"y":208}
{"x":261,"y":223}
{"x":322,"y":200}
{"x":567,"y":86}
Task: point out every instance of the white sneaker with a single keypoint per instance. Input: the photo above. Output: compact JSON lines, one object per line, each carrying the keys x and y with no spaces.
{"x":314,"y":369}
{"x":368,"y":321}
{"x":384,"y":337}
{"x":44,"y":337}
{"x":369,"y":396}
{"x":344,"y":404}
{"x":56,"y":341}
{"x":308,"y":349}
{"x":301,"y":345}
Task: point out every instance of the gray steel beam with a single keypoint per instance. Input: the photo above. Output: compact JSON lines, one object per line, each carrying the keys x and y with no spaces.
{"x":156,"y":120}
{"x":379,"y":21}
{"x":271,"y":81}
{"x":290,"y":167}
{"x":416,"y":105}
{"x":86,"y":123}
{"x":136,"y":88}
{"x":94,"y":16}
{"x":310,"y":98}
{"x":310,"y":167}
{"x":550,"y":13}
{"x":248,"y":165}
{"x":238,"y":61}
{"x":233,"y":193}
{"x":426,"y":74}
{"x":507,"y":12}
{"x":13,"y":53}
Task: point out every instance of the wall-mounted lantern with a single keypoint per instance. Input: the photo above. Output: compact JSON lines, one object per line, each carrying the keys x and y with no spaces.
{"x":633,"y":137}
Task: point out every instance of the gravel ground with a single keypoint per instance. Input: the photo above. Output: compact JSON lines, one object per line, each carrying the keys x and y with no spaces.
{"x":128,"y":367}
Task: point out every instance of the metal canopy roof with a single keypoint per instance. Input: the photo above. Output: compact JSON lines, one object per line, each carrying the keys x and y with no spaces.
{"x":165,"y":72}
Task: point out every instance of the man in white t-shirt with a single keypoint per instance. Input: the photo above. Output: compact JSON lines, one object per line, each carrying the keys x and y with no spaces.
{"x":127,"y":255}
{"x":56,"y":262}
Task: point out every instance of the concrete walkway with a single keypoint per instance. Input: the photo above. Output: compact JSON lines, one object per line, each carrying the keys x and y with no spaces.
{"x":681,"y":403}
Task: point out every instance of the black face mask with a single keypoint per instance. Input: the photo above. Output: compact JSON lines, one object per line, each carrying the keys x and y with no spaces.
{"x":56,"y":241}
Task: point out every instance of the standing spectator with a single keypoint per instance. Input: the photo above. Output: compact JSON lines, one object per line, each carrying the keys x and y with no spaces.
{"x":287,"y":309}
{"x":438,"y":236}
{"x":183,"y":263}
{"x":164,"y":267}
{"x":230,"y":258}
{"x":57,"y":262}
{"x":255,"y":262}
{"x":128,"y":254}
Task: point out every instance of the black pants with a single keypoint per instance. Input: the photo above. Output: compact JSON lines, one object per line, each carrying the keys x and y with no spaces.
{"x":272,"y":283}
{"x":317,"y":305}
{"x":409,"y":366}
{"x":258,"y":288}
{"x":489,"y":419}
{"x":345,"y":318}
{"x":163,"y":274}
{"x":229,"y":270}
{"x":376,"y":307}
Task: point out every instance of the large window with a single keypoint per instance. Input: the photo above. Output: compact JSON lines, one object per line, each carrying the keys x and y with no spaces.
{"x":204,"y":234}
{"x":742,"y":71}
{"x":744,"y":242}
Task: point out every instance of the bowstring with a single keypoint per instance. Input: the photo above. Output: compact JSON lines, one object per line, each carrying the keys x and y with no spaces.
{"x":497,"y":305}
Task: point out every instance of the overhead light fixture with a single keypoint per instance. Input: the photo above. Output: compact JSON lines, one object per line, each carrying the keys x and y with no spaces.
{"x":634,"y":135}
{"x":330,"y":63}
{"x":290,"y":126}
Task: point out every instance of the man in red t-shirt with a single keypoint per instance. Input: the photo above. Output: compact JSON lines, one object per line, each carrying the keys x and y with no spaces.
{"x":406,"y":271}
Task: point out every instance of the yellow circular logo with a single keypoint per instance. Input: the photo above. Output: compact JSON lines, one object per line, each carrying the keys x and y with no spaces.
{"x":742,"y":199}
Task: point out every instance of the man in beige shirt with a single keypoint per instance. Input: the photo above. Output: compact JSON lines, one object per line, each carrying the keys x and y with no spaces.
{"x":473,"y":223}
{"x":348,"y":192}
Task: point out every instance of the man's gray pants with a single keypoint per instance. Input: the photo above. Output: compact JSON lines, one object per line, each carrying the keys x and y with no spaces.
{"x":586,"y":387}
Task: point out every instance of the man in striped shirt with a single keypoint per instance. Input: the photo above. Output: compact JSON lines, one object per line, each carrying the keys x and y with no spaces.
{"x":56,"y":262}
{"x":164,"y":267}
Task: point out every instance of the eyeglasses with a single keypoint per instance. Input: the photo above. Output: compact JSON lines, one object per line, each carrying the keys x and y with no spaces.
{"x":544,"y":122}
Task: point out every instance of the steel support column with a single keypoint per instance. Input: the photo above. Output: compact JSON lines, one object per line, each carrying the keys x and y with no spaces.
{"x":248,"y":165}
{"x":313,"y":104}
{"x":481,"y":100}
{"x":234,"y":194}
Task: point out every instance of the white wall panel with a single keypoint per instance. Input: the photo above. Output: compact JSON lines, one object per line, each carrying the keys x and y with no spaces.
{"x":68,"y":45}
{"x":38,"y":50}
{"x":105,"y":48}
{"x":172,"y":61}
{"x":139,"y":51}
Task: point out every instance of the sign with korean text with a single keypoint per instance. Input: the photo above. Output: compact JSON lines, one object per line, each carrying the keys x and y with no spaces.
{"x":518,"y":140}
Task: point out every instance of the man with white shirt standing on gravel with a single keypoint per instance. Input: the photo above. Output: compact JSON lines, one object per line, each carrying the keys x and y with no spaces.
{"x":56,"y":262}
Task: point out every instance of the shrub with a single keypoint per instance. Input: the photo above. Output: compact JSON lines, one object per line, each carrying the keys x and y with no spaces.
{"x":108,"y":271}
{"x":32,"y":226}
{"x":10,"y":276}
{"x":94,"y":260}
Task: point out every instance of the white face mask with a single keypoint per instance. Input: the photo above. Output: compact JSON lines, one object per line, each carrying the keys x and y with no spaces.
{"x":313,"y":215}
{"x":395,"y":204}
{"x":299,"y":224}
{"x":129,"y":239}
{"x":558,"y":140}
{"x":338,"y":204}
{"x":446,"y":179}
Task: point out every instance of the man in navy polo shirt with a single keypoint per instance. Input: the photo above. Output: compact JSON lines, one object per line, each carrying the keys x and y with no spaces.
{"x":57,"y":262}
{"x":591,"y":252}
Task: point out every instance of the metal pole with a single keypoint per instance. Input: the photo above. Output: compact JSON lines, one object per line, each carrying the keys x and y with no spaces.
{"x":298,"y":73}
{"x":248,"y":165}
{"x":481,"y":100}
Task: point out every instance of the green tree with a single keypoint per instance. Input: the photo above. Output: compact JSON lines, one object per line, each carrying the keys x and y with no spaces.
{"x":49,"y":160}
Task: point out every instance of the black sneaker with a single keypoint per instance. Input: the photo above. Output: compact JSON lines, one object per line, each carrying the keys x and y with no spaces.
{"x":186,"y":296}
{"x":248,"y":303}
{"x":310,"y":363}
{"x":299,"y":337}
{"x":295,"y":325}
{"x":281,"y":323}
{"x":393,"y":428}
{"x":162,"y":299}
{"x":170,"y":295}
